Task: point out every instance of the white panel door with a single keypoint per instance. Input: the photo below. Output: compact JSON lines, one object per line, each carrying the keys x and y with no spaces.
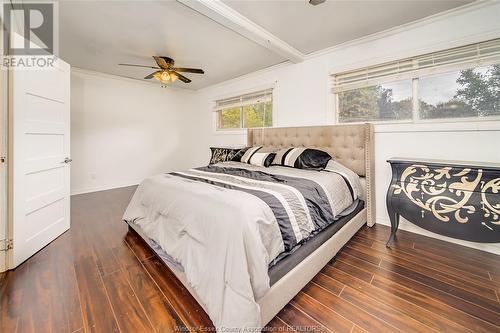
{"x":40,"y":111}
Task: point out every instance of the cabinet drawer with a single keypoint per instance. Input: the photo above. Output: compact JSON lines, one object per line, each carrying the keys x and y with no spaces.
{"x":467,"y":220}
{"x":435,"y":179}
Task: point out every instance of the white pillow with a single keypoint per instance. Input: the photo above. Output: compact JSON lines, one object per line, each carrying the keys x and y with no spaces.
{"x":262,"y":159}
{"x":351,"y":176}
{"x":249,"y":153}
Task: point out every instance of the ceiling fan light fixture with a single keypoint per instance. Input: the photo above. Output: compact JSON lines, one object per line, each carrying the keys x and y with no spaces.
{"x":164,"y":76}
{"x":166,"y":72}
{"x":173,"y":76}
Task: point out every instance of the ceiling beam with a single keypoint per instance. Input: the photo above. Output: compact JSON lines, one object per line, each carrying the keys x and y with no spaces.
{"x":230,"y":18}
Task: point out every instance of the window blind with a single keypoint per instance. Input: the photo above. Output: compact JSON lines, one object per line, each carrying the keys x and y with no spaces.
{"x":474,"y":55}
{"x":261,"y":96}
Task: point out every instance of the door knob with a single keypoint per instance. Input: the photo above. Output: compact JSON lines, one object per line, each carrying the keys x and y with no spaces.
{"x":67,"y":160}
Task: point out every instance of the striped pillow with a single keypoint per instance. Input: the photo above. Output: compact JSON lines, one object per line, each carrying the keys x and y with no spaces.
{"x":262,"y":159}
{"x":249,"y":153}
{"x":302,"y":158}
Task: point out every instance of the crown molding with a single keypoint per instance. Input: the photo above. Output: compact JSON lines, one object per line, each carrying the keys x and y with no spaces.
{"x":404,"y":27}
{"x":221,"y":13}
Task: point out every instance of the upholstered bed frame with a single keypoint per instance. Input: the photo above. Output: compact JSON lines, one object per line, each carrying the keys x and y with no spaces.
{"x":351,"y":145}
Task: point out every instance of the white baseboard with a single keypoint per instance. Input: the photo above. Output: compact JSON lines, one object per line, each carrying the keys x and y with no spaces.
{"x":103,"y":187}
{"x":408,"y":226}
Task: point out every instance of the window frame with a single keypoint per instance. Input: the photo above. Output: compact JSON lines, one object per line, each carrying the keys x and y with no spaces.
{"x":241,"y":129}
{"x":416,"y":106}
{"x":415,"y":87}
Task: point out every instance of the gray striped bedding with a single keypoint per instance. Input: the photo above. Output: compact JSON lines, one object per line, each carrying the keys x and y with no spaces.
{"x":225,"y":223}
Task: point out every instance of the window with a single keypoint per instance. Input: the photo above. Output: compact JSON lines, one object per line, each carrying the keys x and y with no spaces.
{"x":391,"y":101}
{"x":245,"y":111}
{"x":458,"y":83}
{"x":473,"y":92}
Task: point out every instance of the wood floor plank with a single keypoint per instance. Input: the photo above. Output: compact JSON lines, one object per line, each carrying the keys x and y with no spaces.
{"x":322,"y":314}
{"x":66,"y":294}
{"x":418,"y":265}
{"x":427,"y":260}
{"x":97,"y":313}
{"x":469,"y":314}
{"x":349,"y":311}
{"x":421,"y":314}
{"x":277,"y":325}
{"x":358,"y":250}
{"x":427,"y":245}
{"x":36,"y":314}
{"x":12,"y":290}
{"x":162,"y":316}
{"x":361,"y":240}
{"x":328,"y":283}
{"x":188,"y":309}
{"x":298,"y":320}
{"x":487,"y":260}
{"x":355,"y":271}
{"x":390,"y":315}
{"x":491,"y":308}
{"x":126,"y":307}
{"x":442,"y":309}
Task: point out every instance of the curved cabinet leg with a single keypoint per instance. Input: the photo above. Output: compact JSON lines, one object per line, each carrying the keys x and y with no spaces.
{"x":394,"y":217}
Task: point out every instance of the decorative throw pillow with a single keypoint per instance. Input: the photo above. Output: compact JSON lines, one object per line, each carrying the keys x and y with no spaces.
{"x":225,"y":154}
{"x":249,"y":153}
{"x":262,"y":159}
{"x":302,"y":158}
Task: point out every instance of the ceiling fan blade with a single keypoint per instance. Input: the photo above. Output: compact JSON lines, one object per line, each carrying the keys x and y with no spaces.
{"x":182,"y":77}
{"x":150,"y":76}
{"x":139,"y":66}
{"x":163,"y":62}
{"x":189,"y":70}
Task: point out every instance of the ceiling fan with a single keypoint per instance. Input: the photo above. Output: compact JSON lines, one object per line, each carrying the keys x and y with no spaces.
{"x":166,"y":72}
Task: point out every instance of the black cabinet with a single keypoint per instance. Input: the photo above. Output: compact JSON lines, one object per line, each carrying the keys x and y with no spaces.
{"x":451,"y":198}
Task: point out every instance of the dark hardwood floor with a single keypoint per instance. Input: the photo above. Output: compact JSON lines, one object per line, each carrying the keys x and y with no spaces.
{"x":99,"y":278}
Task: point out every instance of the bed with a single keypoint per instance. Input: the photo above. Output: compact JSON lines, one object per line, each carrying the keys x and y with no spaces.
{"x":244,"y":289}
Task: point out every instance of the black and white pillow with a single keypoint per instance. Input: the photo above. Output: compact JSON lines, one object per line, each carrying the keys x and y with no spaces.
{"x":225,"y":154}
{"x":302,"y":158}
{"x":249,"y":153}
{"x":262,"y":159}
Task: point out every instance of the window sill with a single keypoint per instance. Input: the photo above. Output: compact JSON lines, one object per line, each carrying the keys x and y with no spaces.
{"x":440,"y":126}
{"x":230,"y":132}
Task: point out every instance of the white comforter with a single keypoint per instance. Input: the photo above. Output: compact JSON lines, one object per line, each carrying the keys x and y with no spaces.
{"x":223,"y":238}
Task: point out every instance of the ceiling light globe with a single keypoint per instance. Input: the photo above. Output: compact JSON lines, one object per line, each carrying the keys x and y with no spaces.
{"x":165,"y":77}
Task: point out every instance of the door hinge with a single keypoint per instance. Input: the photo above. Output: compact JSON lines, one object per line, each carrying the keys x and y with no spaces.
{"x":6,"y":244}
{"x":3,"y":159}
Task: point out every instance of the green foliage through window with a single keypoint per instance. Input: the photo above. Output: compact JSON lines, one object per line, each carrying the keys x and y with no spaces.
{"x":248,"y":116}
{"x":473,"y":92}
{"x":229,"y":118}
{"x":466,"y":93}
{"x":380,"y":102}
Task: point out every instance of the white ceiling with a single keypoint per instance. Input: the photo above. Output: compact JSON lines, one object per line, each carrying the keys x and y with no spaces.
{"x":97,"y":35}
{"x":311,"y":28}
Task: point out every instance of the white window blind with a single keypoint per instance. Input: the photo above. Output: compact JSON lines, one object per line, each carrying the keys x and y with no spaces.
{"x":261,"y":96}
{"x":474,"y":55}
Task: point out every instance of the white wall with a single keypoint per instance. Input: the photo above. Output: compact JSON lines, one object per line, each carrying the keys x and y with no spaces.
{"x":125,"y":130}
{"x":302,"y":97}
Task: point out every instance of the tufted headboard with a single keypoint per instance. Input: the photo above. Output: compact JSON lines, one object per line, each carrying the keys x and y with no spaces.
{"x":350,"y":145}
